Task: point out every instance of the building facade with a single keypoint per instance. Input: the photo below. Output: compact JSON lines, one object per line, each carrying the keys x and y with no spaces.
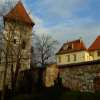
{"x":76,"y":52}
{"x":72,"y":52}
{"x":79,"y":67}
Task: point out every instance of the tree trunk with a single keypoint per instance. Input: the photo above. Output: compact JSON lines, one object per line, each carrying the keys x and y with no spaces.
{"x":12,"y":79}
{"x":4,"y":79}
{"x":16,"y":76}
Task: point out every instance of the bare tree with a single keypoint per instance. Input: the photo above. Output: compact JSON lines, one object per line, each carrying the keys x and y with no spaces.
{"x":44,"y":49}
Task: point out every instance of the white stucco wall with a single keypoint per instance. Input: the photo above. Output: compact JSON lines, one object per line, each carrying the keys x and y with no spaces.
{"x":95,"y":55}
{"x":81,"y":56}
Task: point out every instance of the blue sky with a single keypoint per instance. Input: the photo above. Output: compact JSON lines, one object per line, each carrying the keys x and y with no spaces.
{"x":66,"y":19}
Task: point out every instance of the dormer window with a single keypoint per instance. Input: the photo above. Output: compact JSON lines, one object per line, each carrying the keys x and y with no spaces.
{"x":70,"y":46}
{"x":65,"y":47}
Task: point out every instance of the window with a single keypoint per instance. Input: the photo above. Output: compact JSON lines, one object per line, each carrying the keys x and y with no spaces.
{"x":14,"y":41}
{"x":70,"y":46}
{"x":91,"y":54}
{"x":65,"y":47}
{"x":74,"y":57}
{"x":59,"y":59}
{"x":23,"y":44}
{"x":98,"y":53}
{"x":68,"y":58}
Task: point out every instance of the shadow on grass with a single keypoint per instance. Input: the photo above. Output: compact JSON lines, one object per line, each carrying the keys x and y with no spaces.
{"x":55,"y":93}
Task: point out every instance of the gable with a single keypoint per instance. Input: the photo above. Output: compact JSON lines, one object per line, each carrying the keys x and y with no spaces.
{"x":95,"y":45}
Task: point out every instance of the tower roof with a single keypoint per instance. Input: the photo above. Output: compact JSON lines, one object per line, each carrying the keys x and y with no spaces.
{"x":95,"y":45}
{"x":19,"y":13}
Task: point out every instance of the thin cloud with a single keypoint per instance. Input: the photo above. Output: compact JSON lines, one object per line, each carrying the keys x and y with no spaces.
{"x":63,"y":8}
{"x":65,"y":19}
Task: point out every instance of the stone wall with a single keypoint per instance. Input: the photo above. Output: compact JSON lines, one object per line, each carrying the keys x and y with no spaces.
{"x":51,"y":73}
{"x":80,"y":76}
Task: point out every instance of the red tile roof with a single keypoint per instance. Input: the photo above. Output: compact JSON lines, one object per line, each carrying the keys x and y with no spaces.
{"x":95,"y":45}
{"x":77,"y":45}
{"x":19,"y":13}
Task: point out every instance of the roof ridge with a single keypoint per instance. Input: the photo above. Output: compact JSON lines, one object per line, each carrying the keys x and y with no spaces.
{"x":73,"y":41}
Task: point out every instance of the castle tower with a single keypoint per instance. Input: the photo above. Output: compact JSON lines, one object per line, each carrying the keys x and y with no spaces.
{"x":18,"y":39}
{"x":18,"y":26}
